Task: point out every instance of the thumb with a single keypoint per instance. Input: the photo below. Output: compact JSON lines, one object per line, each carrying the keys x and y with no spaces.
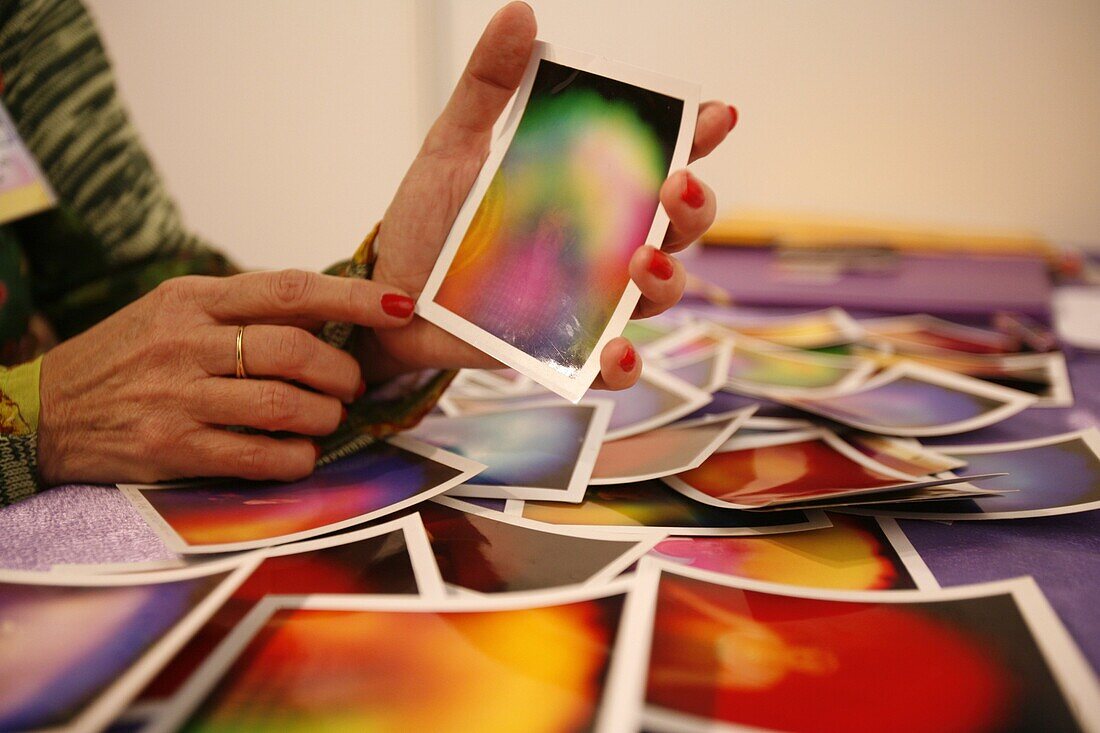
{"x":489,"y":80}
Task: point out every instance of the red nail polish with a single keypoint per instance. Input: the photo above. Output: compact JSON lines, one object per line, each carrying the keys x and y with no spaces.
{"x":398,"y":306}
{"x":343,"y":414}
{"x":692,"y":195}
{"x":660,"y":265}
{"x":361,"y":390}
{"x":317,"y":452}
{"x":628,"y":359}
{"x":733,"y":117}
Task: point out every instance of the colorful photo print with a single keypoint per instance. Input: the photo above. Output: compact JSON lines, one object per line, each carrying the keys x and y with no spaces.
{"x":798,"y":467}
{"x":707,"y":371}
{"x":815,"y":330}
{"x":76,"y":649}
{"x":541,"y":450}
{"x":729,"y":654}
{"x":656,"y":399}
{"x":756,"y":366}
{"x":689,"y":341}
{"x":536,"y":662}
{"x":228,"y":516}
{"x":394,"y":558}
{"x":489,"y":552}
{"x":1059,"y":474}
{"x":534,"y":271}
{"x":672,"y":449}
{"x":913,"y":400}
{"x":902,"y":454}
{"x":856,"y":553}
{"x":927,"y":333}
{"x":652,"y":505}
{"x":1044,"y":375}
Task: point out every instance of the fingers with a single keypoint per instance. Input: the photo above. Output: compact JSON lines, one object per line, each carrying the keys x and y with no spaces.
{"x":691,"y":209}
{"x":660,"y":278}
{"x":266,"y":404}
{"x":491,"y":77}
{"x":283,"y":352}
{"x":252,"y":457}
{"x":620,"y":365}
{"x":716,"y":120}
{"x":298,"y":296}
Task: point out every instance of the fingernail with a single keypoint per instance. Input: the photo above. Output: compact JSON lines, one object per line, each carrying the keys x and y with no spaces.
{"x":362,"y":390}
{"x":660,"y":265}
{"x":398,"y":306}
{"x":692,"y":195}
{"x":343,"y":414}
{"x":733,"y":117}
{"x":317,"y":452}
{"x":628,"y":359}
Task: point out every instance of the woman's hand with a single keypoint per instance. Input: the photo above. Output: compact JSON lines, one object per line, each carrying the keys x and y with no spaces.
{"x":145,"y":395}
{"x":427,"y":202}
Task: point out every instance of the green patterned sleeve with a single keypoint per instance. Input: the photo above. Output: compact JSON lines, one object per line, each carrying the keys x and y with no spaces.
{"x":115,"y":233}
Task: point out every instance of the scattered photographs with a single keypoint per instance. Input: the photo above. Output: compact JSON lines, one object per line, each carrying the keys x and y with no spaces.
{"x":662,"y":452}
{"x":856,"y":553}
{"x":815,"y":330}
{"x":77,"y":648}
{"x":928,"y":333}
{"x":489,"y":552}
{"x":653,"y":505}
{"x":913,"y":400}
{"x":790,"y":468}
{"x":534,"y":270}
{"x":539,"y":450}
{"x":227,"y":516}
{"x":756,"y":366}
{"x":394,"y":558}
{"x":536,"y":662}
{"x":727,"y":652}
{"x":1059,"y":474}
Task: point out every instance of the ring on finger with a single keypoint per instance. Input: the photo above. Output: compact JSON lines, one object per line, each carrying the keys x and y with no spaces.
{"x":241,"y":373}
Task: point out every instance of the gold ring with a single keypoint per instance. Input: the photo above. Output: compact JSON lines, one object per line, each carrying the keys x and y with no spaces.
{"x":241,"y":373}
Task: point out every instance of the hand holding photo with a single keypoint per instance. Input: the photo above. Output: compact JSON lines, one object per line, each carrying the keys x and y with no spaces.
{"x":534,"y":270}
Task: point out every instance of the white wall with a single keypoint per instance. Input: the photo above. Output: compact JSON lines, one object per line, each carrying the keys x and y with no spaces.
{"x":282,"y":126}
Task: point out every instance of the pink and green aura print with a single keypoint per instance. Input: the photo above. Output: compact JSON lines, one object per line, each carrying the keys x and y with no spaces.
{"x":544,"y":262}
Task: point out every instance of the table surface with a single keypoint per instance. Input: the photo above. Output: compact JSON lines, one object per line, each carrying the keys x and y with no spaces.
{"x":96,"y":524}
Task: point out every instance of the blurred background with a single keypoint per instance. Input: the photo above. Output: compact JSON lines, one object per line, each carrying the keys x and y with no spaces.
{"x":283,"y":127}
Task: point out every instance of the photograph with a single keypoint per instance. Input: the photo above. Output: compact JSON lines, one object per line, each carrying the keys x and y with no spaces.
{"x":489,"y":552}
{"x":756,"y":365}
{"x":912,"y":400}
{"x":907,"y":455}
{"x":923,"y":332}
{"x":536,"y":662}
{"x":535,"y":269}
{"x":814,"y":330}
{"x":1059,"y":474}
{"x":672,"y":449}
{"x":78,"y":648}
{"x":798,"y":467}
{"x":228,"y":516}
{"x":538,"y":450}
{"x":393,"y":558}
{"x":653,"y":505}
{"x":708,"y":370}
{"x":856,"y":553}
{"x":728,"y":653}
